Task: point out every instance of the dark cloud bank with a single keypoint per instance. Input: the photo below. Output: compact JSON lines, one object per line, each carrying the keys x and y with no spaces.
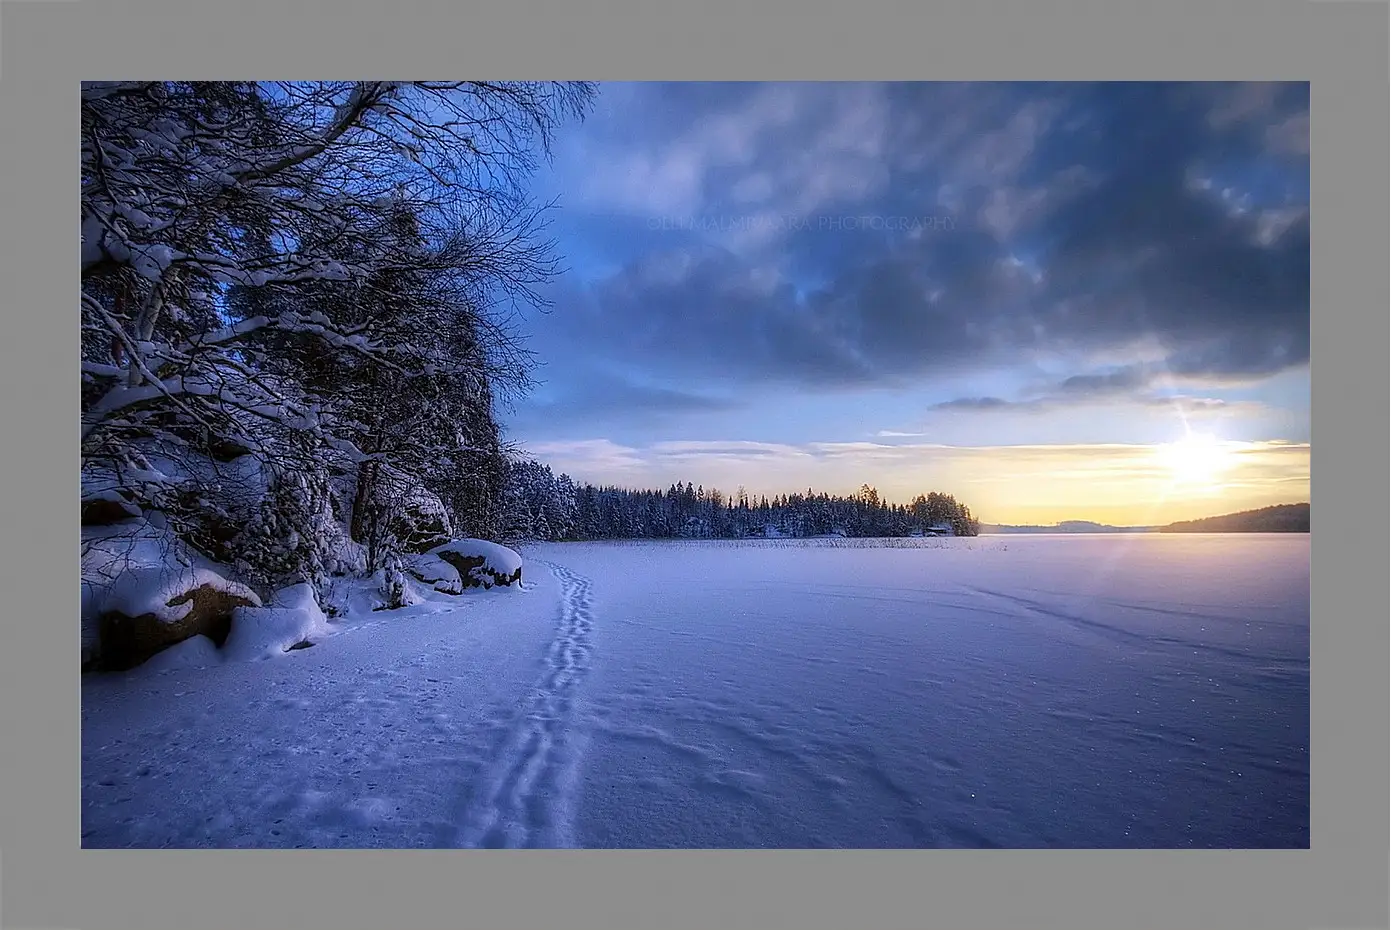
{"x":1083,"y":222}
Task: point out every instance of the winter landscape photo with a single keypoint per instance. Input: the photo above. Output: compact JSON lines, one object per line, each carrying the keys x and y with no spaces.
{"x":698,"y":465}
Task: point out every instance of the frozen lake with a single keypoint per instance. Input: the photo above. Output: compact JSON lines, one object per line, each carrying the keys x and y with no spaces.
{"x":1019,"y":691}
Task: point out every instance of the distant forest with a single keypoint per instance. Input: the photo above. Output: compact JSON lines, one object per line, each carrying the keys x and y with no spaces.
{"x":544,"y":506}
{"x":1282,"y":518}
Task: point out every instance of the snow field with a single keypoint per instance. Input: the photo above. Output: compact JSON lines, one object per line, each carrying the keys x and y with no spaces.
{"x":1043,"y":692}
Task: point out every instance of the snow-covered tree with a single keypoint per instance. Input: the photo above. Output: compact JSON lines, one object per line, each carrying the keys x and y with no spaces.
{"x":685,"y":511}
{"x":538,"y":504}
{"x":305,"y":273}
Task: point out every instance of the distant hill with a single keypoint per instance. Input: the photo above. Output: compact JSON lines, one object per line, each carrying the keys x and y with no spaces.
{"x":1067,"y":526}
{"x":1282,"y":518}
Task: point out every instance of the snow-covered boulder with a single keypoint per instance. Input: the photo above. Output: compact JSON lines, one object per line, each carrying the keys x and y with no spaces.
{"x":149,"y":610}
{"x":143,"y":592}
{"x":421,"y":521}
{"x":292,"y":621}
{"x":436,"y":573}
{"x":467,"y":563}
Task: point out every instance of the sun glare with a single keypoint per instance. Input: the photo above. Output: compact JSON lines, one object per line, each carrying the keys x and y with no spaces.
{"x":1196,"y":459}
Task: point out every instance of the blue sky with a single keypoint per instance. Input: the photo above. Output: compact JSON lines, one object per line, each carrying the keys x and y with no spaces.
{"x":921,"y":286}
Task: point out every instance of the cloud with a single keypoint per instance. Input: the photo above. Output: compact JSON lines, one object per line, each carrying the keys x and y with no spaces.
{"x":793,"y":147}
{"x":1011,"y":210}
{"x":590,"y":393}
{"x":976,"y":403}
{"x":1123,"y":380}
{"x":598,"y":460}
{"x":1241,"y":102}
{"x":1179,"y":403}
{"x":1195,"y":406}
{"x":1078,"y":226}
{"x":1144,"y":386}
{"x":1291,"y":135}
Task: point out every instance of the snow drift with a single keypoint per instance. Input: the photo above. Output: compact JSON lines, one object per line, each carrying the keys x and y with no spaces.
{"x":293,"y":620}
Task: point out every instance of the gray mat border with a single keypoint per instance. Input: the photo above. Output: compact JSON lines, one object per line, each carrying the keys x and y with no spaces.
{"x":47,"y":47}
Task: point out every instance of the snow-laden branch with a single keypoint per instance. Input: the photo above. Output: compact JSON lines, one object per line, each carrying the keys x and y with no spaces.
{"x":308,"y":274}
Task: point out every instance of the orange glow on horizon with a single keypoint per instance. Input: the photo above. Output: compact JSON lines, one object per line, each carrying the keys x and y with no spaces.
{"x":1116,"y":484}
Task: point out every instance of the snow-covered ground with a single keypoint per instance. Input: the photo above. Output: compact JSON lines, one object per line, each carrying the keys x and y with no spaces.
{"x":1018,"y":692}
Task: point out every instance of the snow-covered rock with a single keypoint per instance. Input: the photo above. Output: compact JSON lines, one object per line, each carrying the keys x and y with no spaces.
{"x":422,"y":520}
{"x":144,"y":591}
{"x":168,"y":593}
{"x":435,"y":572}
{"x":467,"y":563}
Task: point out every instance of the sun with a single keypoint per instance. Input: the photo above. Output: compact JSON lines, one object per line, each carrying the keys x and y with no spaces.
{"x":1197,"y":459}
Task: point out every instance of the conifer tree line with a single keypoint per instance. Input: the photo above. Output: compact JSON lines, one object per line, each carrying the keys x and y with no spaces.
{"x":542,"y":506}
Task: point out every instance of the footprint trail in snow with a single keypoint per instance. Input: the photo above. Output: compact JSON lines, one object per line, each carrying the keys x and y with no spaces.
{"x":524,"y":798}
